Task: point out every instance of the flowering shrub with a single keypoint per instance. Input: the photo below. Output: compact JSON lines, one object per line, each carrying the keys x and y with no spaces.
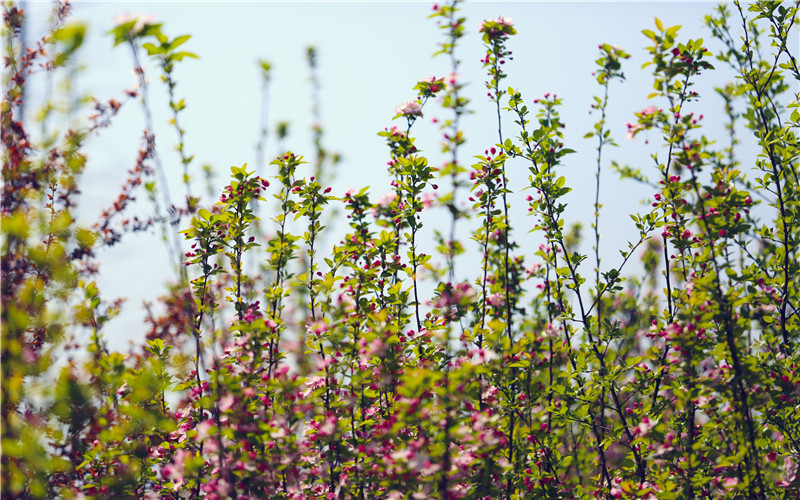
{"x":342,"y":376}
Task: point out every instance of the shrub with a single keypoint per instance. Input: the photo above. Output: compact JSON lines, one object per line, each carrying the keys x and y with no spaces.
{"x":342,"y":376}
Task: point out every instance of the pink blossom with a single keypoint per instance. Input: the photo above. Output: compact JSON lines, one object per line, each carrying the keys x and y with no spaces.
{"x":386,"y":199}
{"x":789,"y":472}
{"x":250,"y":315}
{"x":730,"y":482}
{"x":317,"y":328}
{"x":644,"y":427}
{"x":452,"y":78}
{"x":616,"y":490}
{"x":203,"y":430}
{"x":430,"y":85}
{"x":328,"y":427}
{"x":502,"y":21}
{"x":496,"y":299}
{"x":409,"y":108}
{"x":175,"y":470}
{"x":632,"y":130}
{"x":703,"y":400}
{"x":141,"y":21}
{"x":29,"y":355}
{"x":312,"y":383}
{"x":377,"y":347}
{"x":226,"y":402}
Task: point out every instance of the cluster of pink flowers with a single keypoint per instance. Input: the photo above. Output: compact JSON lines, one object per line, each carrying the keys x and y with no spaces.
{"x":409,"y":108}
{"x":498,"y":21}
{"x":430,"y":86}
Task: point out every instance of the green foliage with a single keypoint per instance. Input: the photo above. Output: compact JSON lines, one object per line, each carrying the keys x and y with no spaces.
{"x":333,"y":376}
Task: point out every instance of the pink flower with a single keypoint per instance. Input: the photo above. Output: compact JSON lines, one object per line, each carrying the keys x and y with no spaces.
{"x":703,"y":400}
{"x":317,"y":328}
{"x":789,"y":473}
{"x":386,"y":199}
{"x":452,"y":78}
{"x":502,"y":21}
{"x":203,"y":430}
{"x":644,"y":427}
{"x":251,"y":316}
{"x":616,"y":490}
{"x":730,"y":482}
{"x":377,"y":347}
{"x":175,"y":470}
{"x":496,"y":299}
{"x":649,"y":110}
{"x":226,"y":402}
{"x":140,"y":22}
{"x":633,"y":129}
{"x":328,"y":427}
{"x":428,"y":87}
{"x":313,"y":383}
{"x":498,"y":28}
{"x":409,"y":108}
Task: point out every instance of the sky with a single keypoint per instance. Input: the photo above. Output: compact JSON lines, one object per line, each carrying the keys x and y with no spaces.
{"x":371,"y":54}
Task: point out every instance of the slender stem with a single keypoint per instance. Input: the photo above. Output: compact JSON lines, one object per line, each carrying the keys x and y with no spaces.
{"x":175,"y":249}
{"x":507,"y":223}
{"x":167,"y":67}
{"x":751,"y":458}
{"x":600,"y":143}
{"x":777,"y":169}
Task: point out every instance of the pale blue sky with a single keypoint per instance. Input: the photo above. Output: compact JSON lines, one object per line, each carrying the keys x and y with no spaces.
{"x":370,"y":56}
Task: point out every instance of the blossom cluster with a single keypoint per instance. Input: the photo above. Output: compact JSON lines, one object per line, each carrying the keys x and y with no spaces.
{"x":384,"y":368}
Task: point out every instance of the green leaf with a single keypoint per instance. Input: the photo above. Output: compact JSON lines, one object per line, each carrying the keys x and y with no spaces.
{"x":180,"y":55}
{"x":178,"y":41}
{"x":152,"y":49}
